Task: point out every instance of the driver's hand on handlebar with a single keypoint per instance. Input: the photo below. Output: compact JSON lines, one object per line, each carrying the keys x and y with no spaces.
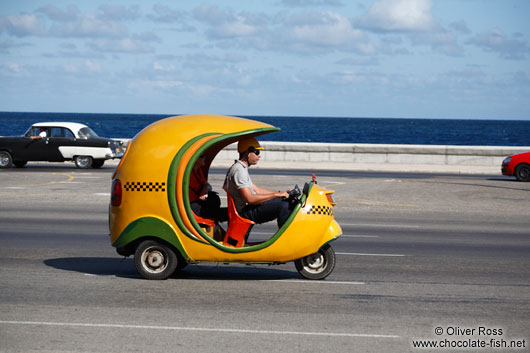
{"x":283,"y":194}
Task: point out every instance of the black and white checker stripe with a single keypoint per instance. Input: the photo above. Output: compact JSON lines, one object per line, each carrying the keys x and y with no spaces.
{"x":149,"y":186}
{"x":318,"y":209}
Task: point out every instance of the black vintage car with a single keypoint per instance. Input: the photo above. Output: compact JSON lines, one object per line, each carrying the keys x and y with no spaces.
{"x":59,"y":142}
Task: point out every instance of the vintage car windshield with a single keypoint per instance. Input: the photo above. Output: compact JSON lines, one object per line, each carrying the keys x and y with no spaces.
{"x":33,"y":131}
{"x":86,"y":132}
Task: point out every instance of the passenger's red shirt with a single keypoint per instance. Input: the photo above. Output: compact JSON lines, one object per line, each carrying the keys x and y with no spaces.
{"x":197,"y":180}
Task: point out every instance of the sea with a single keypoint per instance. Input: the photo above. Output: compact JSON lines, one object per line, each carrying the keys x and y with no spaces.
{"x":463,"y":132}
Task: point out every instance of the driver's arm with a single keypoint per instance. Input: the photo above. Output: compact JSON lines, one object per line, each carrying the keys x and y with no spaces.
{"x":260,"y":190}
{"x":262,"y":195}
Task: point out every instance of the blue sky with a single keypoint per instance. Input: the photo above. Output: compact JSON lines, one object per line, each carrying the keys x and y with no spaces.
{"x":389,"y":58}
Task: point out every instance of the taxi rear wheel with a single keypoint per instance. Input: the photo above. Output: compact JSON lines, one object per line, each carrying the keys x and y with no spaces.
{"x":318,"y":265}
{"x":154,"y":260}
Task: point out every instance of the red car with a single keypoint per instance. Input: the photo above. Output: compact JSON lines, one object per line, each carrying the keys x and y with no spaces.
{"x":517,"y":165}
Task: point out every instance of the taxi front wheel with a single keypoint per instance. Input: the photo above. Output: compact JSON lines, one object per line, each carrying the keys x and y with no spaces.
{"x":318,"y":265}
{"x":154,"y":260}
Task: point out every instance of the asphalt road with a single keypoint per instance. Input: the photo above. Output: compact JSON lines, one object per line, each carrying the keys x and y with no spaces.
{"x":443,"y":258}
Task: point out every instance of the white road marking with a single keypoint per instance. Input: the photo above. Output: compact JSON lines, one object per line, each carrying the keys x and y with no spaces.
{"x":363,"y":254}
{"x":312,"y":281}
{"x":343,"y":235}
{"x":110,"y":275}
{"x":378,"y":225}
{"x":102,"y":194}
{"x":198,"y":329}
{"x":14,"y":187}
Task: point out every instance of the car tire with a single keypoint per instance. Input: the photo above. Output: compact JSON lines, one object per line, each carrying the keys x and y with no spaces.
{"x":318,"y":265}
{"x":83,"y":162}
{"x":522,"y":172}
{"x":6,"y":161}
{"x":155,"y":260}
{"x":20,"y":164}
{"x":98,"y":163}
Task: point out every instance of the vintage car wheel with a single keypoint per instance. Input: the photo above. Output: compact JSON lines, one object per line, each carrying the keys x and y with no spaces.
{"x":6,"y":161}
{"x":522,"y":172}
{"x":98,"y":163}
{"x":20,"y":164}
{"x":83,"y":162}
{"x":154,"y":260}
{"x":318,"y":265}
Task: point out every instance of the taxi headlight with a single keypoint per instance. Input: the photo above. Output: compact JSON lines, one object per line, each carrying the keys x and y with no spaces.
{"x":331,"y":198}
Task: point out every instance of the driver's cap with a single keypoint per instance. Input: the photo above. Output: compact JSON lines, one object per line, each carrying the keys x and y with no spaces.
{"x":247,"y":143}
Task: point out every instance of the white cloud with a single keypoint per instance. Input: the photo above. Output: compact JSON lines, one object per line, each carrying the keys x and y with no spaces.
{"x":163,"y":13}
{"x":124,"y":45}
{"x":86,"y":67}
{"x":203,"y":90}
{"x":89,"y":26}
{"x":461,"y":27}
{"x":306,"y":3}
{"x":228,"y":24}
{"x":238,"y":27}
{"x":496,"y":41}
{"x":56,"y":14}
{"x":211,"y":14}
{"x":118,"y":13}
{"x":13,"y":69}
{"x":333,"y":30}
{"x":399,"y":15}
{"x":165,"y":84}
{"x":441,"y":41}
{"x":22,"y":25}
{"x":312,"y":33}
{"x":6,"y":45}
{"x":50,"y":21}
{"x":157,"y":66}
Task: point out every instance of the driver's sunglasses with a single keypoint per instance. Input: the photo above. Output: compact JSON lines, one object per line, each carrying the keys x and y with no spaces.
{"x":253,"y":150}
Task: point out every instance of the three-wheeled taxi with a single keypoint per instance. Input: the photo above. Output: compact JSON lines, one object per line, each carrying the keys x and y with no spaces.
{"x":150,"y":215}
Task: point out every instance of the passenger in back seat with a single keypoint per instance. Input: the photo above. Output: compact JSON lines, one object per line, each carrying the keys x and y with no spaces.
{"x":204,"y":202}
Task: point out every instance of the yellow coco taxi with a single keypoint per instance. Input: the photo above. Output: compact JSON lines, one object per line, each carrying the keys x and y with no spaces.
{"x":150,"y":214}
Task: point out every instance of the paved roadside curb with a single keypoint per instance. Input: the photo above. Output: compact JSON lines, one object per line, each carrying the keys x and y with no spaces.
{"x":363,"y":167}
{"x":331,"y":166}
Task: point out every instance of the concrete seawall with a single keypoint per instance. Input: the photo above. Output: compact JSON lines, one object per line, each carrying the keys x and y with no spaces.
{"x":377,"y":157}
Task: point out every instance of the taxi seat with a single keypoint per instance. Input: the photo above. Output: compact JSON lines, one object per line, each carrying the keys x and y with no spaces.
{"x":207,"y":224}
{"x":238,"y":227}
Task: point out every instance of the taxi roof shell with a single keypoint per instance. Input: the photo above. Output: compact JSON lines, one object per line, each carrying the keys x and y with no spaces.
{"x":163,"y":139}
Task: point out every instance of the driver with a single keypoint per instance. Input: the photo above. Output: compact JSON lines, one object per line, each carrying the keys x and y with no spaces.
{"x":252,"y":202}
{"x":42,"y":134}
